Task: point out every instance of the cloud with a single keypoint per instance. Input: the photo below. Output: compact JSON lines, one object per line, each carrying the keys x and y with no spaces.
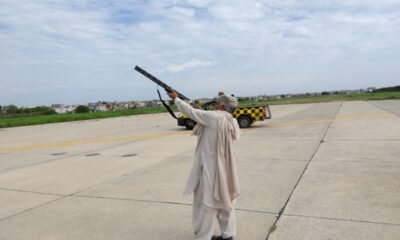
{"x":274,"y":44}
{"x":193,"y":63}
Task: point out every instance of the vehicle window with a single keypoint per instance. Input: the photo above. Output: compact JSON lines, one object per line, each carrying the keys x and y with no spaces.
{"x":210,"y":106}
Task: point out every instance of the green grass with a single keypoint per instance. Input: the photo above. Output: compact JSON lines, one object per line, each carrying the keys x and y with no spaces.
{"x":15,"y":121}
{"x":54,"y":118}
{"x":328,"y":98}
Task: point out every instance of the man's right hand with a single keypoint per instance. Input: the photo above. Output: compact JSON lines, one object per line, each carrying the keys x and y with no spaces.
{"x":172,"y":94}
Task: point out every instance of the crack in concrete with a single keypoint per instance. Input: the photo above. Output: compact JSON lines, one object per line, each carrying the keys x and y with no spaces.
{"x":274,"y":226}
{"x":364,"y":140}
{"x":162,"y":162}
{"x":381,"y":108}
{"x":30,"y":209}
{"x":272,"y":229}
{"x":162,"y":202}
{"x":61,"y":196}
{"x":341,"y":219}
{"x":26,"y":191}
{"x":131,"y":199}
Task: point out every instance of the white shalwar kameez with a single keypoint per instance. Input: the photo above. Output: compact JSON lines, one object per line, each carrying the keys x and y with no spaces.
{"x":202,"y":176}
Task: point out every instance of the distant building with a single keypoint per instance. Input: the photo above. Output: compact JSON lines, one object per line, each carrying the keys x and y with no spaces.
{"x":371,"y":89}
{"x":61,"y":108}
{"x":140,"y":104}
{"x":153,"y":103}
{"x":98,"y":107}
{"x":71,"y":108}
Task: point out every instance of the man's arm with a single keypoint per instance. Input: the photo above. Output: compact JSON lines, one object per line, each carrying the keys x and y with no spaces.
{"x":199,"y":115}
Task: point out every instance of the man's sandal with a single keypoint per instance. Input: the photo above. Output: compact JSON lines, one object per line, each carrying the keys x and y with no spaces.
{"x":220,"y":238}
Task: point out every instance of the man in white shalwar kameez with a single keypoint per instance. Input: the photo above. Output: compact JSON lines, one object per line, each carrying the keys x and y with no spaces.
{"x":213,"y":177}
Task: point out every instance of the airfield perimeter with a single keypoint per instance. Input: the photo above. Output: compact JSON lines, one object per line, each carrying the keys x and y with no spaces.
{"x":312,"y":172}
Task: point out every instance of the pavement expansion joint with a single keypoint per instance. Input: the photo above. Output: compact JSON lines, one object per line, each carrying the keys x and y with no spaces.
{"x":274,"y":226}
{"x":342,"y":219}
{"x":277,"y":159}
{"x":362,"y":161}
{"x":363,"y":140}
{"x":161,"y":202}
{"x":26,"y":191}
{"x":32,"y":208}
{"x":130,"y":199}
{"x":255,"y":211}
{"x":394,"y":113}
{"x":165,"y":161}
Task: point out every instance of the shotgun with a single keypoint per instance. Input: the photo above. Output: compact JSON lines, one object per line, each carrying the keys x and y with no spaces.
{"x":160,"y":83}
{"x":163,"y":85}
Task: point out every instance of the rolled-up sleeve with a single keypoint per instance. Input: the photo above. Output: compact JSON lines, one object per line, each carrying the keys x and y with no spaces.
{"x":199,"y":115}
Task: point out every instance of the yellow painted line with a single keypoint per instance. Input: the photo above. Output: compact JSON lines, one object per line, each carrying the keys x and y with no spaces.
{"x":187,"y":133}
{"x":93,"y":141}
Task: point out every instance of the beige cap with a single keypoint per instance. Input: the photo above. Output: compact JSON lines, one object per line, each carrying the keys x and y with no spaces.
{"x":229,"y":102}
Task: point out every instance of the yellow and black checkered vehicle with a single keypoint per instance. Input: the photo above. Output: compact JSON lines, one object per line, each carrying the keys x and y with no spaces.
{"x":245,"y":115}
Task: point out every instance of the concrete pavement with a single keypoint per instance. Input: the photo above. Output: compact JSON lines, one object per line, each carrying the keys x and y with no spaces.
{"x":314,"y":171}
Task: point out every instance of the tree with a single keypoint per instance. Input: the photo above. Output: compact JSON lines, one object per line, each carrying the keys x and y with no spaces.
{"x":43,"y":110}
{"x":82,"y":109}
{"x":11,"y":109}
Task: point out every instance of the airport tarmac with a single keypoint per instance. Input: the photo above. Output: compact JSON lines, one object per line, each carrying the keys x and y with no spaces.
{"x":313,"y":172}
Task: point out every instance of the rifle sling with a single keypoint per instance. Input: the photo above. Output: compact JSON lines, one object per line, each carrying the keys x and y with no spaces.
{"x":166,"y":106}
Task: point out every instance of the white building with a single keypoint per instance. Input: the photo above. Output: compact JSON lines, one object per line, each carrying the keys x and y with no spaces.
{"x":61,"y":108}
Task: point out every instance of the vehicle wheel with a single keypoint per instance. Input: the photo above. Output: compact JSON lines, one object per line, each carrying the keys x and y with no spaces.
{"x":189,"y":124}
{"x":244,"y":121}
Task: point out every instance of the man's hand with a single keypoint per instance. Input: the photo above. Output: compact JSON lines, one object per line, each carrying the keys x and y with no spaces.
{"x":172,"y":95}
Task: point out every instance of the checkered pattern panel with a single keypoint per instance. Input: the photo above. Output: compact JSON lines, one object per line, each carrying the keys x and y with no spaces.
{"x":256,"y":113}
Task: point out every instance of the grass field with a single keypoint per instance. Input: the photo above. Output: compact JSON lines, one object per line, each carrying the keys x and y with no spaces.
{"x":54,"y":118}
{"x":43,"y":119}
{"x":329,"y":98}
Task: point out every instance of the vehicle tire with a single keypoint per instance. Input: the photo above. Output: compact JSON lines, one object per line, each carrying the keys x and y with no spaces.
{"x":244,"y":121}
{"x":189,"y":124}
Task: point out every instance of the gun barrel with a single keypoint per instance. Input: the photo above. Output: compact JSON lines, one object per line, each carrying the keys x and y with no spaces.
{"x":160,"y":83}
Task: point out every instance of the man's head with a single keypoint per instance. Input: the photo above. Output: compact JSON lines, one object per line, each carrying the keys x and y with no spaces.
{"x":225,"y":103}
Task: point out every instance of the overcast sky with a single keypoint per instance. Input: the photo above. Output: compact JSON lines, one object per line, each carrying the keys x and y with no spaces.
{"x":80,"y":51}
